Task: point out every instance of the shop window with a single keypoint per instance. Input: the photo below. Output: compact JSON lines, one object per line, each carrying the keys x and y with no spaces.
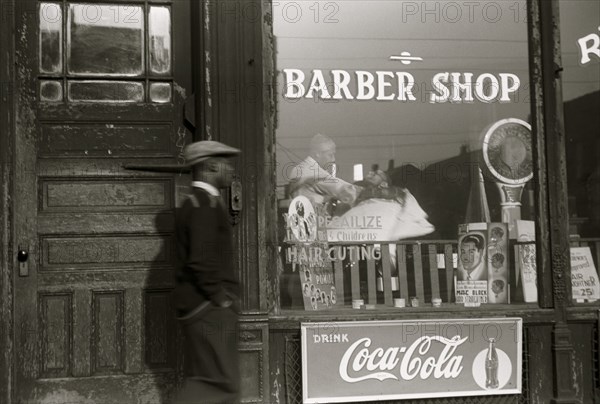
{"x":404,"y":155}
{"x":580,"y":45}
{"x":104,"y":53}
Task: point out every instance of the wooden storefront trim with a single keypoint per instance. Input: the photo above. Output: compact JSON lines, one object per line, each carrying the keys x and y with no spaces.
{"x":585,"y":312}
{"x":555,"y":239}
{"x":7,"y":86}
{"x":539,"y":155}
{"x":290,"y":320}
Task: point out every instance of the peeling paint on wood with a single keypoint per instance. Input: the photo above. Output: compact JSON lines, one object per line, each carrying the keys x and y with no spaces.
{"x":277,"y":387}
{"x":208,"y":65}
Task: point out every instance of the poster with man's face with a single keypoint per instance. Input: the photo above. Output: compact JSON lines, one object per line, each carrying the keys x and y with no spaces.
{"x":472,"y":271}
{"x":472,"y":257}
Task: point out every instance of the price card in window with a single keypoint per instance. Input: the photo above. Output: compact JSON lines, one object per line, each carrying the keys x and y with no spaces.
{"x":584,"y":278}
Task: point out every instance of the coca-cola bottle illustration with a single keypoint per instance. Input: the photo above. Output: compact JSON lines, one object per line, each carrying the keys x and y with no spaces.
{"x":491,"y":366}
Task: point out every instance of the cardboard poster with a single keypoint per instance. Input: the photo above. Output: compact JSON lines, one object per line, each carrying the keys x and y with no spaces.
{"x":307,"y":250}
{"x":472,"y":273}
{"x":584,"y":278}
{"x":497,"y":262}
{"x":318,"y":289}
{"x":525,"y":274}
{"x":526,"y":263}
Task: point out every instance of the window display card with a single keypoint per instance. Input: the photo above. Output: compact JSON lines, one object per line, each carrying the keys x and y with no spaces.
{"x":497,"y":263}
{"x":527,"y":268}
{"x":525,"y":230}
{"x":472,"y":273}
{"x":584,"y":278}
{"x":318,"y":289}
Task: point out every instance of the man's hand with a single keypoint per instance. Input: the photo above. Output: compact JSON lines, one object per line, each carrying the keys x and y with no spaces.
{"x":226,"y":303}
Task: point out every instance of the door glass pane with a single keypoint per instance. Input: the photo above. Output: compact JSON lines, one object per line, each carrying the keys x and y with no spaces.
{"x":105,"y":40}
{"x":404,"y":153}
{"x":50,"y":38}
{"x":159,"y":26}
{"x":106,"y":91}
{"x":51,"y":90}
{"x":580,"y":45}
{"x":160,"y":92}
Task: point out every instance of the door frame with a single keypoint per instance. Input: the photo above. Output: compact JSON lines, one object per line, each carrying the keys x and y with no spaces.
{"x":6,"y":184}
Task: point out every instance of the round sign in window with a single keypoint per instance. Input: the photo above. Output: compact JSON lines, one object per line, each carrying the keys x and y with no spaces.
{"x":302,"y":219}
{"x":507,"y":151}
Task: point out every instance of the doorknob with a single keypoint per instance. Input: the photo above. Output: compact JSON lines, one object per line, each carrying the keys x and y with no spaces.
{"x":22,"y":257}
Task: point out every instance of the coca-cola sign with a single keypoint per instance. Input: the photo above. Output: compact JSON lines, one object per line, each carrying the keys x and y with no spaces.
{"x":384,"y":360}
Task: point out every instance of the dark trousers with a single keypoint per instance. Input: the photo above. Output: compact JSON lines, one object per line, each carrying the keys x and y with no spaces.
{"x":212,"y":359}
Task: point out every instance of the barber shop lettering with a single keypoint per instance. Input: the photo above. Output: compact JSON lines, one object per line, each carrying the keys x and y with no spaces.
{"x":589,"y":45}
{"x":455,"y":87}
{"x":381,"y":363}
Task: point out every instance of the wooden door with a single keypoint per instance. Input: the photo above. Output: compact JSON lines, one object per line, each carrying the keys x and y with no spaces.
{"x":99,"y":85}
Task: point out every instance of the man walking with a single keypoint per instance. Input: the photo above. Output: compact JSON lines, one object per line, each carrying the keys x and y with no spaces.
{"x":206,"y":285}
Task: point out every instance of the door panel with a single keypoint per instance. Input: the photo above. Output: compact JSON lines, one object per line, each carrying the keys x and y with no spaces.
{"x":92,"y":305}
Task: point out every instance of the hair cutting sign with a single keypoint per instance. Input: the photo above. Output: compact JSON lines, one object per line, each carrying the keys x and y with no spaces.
{"x":387,"y":360}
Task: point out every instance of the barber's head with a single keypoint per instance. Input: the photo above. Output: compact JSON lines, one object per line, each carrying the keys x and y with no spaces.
{"x":322,"y":149}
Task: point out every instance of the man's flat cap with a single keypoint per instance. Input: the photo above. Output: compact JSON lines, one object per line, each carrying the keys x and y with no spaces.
{"x":199,"y":151}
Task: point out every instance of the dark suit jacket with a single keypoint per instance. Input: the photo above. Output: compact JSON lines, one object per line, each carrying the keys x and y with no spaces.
{"x":205,"y":251}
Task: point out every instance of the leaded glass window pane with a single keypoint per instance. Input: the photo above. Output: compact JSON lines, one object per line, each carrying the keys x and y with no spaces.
{"x":160,"y":92}
{"x":50,"y":38}
{"x":106,"y":91}
{"x":159,"y":27}
{"x":51,"y":90}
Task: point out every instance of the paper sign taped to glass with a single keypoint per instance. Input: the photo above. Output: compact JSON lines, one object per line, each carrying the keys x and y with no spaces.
{"x":584,"y":278}
{"x":306,"y":250}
